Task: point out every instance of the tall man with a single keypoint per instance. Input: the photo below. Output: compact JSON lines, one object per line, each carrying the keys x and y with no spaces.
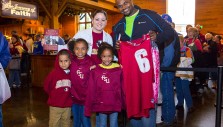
{"x":5,"y":57}
{"x":136,"y":23}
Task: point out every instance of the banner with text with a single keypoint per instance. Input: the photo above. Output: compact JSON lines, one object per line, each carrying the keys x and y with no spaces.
{"x":14,"y":9}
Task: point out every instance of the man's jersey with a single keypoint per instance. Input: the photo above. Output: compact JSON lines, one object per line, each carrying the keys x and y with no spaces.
{"x":136,"y":59}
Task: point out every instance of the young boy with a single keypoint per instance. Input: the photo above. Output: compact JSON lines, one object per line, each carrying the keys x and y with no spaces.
{"x":57,"y":85}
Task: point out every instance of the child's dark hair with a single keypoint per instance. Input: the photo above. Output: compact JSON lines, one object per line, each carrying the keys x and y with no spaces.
{"x":64,"y":52}
{"x":72,"y":44}
{"x":103,"y":46}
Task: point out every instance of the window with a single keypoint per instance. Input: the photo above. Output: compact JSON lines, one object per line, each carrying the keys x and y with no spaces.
{"x":84,"y":21}
{"x":182,"y":13}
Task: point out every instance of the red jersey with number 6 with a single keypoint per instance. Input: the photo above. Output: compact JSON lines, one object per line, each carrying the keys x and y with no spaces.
{"x":136,"y":59}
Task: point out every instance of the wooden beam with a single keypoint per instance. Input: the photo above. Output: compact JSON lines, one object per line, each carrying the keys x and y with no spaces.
{"x":45,"y":9}
{"x":61,"y":8}
{"x":95,"y":5}
{"x":54,"y":21}
{"x":110,"y":1}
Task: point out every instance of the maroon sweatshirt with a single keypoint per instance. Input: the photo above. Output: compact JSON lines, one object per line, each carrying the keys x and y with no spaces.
{"x":105,"y":91}
{"x":57,"y":85}
{"x":80,"y":71}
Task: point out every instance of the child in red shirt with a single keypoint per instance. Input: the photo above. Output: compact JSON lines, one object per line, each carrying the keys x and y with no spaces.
{"x":105,"y":90}
{"x":57,"y":85}
{"x":80,"y":71}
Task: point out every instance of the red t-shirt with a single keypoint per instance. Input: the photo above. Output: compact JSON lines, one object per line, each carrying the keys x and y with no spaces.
{"x":97,"y":37}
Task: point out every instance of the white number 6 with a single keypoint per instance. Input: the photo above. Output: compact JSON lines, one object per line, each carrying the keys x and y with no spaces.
{"x":142,"y":61}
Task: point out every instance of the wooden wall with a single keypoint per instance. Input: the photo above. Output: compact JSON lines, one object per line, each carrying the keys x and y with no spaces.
{"x":158,"y":6}
{"x":69,"y":26}
{"x":209,"y":14}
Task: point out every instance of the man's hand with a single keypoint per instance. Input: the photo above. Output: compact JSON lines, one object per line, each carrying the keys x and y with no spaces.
{"x":152,"y":35}
{"x":117,"y":45}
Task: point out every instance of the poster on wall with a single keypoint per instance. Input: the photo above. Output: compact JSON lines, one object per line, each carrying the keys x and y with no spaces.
{"x":14,"y":9}
{"x":51,"y":38}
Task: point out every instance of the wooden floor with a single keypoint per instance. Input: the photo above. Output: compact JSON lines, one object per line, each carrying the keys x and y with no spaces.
{"x":27,"y":108}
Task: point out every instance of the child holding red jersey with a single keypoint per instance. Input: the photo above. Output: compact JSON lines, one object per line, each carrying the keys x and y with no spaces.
{"x":105,"y":92}
{"x":80,"y":71}
{"x":57,"y":85}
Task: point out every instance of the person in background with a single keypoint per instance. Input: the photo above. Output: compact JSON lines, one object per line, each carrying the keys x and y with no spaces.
{"x":211,"y":57}
{"x":66,"y":38}
{"x":174,"y":27}
{"x":105,"y":91}
{"x":136,"y":23}
{"x":60,"y":41}
{"x":196,"y":47}
{"x":218,"y":39}
{"x":80,"y":72}
{"x":37,"y":46}
{"x":183,"y":79}
{"x":95,"y":35}
{"x":29,"y":43}
{"x":20,"y":40}
{"x":187,"y":27}
{"x":16,"y":50}
{"x":200,"y":36}
{"x":57,"y":85}
{"x":5,"y":58}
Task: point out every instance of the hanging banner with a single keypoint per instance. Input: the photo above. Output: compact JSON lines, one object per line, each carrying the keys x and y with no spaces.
{"x":14,"y":9}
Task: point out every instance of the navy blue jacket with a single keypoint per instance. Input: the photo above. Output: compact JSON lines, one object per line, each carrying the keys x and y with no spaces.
{"x":38,"y":48}
{"x":167,"y":38}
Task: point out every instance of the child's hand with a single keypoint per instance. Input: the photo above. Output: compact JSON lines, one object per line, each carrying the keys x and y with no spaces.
{"x":92,"y":67}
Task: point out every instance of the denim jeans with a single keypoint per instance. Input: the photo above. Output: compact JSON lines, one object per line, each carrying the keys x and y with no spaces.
{"x":79,"y":120}
{"x":1,"y":116}
{"x":14,"y":76}
{"x":113,"y":119}
{"x":168,"y":105}
{"x":145,"y":122}
{"x":97,"y":122}
{"x":183,"y":92}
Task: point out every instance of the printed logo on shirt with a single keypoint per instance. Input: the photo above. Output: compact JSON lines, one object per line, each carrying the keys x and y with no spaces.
{"x":63,"y":83}
{"x":105,"y":79}
{"x":35,"y":46}
{"x":142,"y":22}
{"x":80,"y":74}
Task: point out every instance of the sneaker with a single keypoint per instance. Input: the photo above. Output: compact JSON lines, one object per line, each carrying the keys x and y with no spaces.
{"x":179,"y":107}
{"x":164,"y":124}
